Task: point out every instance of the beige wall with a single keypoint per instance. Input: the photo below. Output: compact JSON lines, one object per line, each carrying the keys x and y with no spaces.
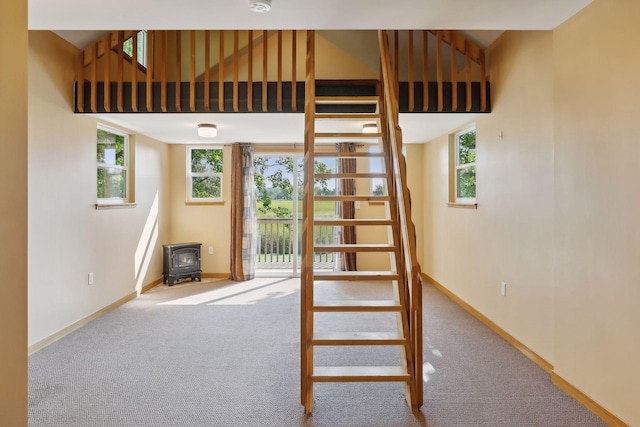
{"x":508,"y":237}
{"x":597,"y":274}
{"x":13,"y":212}
{"x":204,"y":223}
{"x":68,"y":237}
{"x":557,"y":212}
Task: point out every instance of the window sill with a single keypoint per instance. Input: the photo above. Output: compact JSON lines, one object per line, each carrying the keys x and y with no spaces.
{"x":463,"y":205}
{"x":100,"y":206}
{"x":219,"y":203}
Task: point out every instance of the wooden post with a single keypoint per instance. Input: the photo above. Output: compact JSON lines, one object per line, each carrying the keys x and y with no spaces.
{"x":221,"y":73}
{"x":192,"y":73}
{"x":119,"y":42}
{"x":207,"y":70}
{"x":235,"y":70}
{"x":178,"y":71}
{"x":150,"y":47}
{"x":425,"y":70}
{"x":294,"y":103}
{"x":250,"y":73}
{"x":107,"y":70}
{"x":265,"y":43}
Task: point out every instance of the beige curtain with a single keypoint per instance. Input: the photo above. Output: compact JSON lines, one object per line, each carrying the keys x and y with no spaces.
{"x":243,"y":214}
{"x":346,"y":210}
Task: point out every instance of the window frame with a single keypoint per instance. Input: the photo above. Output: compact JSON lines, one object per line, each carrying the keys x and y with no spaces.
{"x":126,"y":167}
{"x":189,"y":175}
{"x":143,"y":41}
{"x":457,"y":166}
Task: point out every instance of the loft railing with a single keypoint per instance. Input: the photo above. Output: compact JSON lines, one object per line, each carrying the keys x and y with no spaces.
{"x":258,"y":71}
{"x":437,"y":71}
{"x":396,"y":165}
{"x":189,"y":71}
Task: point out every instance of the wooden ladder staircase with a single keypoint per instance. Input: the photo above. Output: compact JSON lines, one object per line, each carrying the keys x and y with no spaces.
{"x":397,"y":293}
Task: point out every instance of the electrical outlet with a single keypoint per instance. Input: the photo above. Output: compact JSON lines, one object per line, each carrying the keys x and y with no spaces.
{"x":210,"y":250}
{"x":90,"y":279}
{"x":356,"y":205}
{"x":503,"y":289}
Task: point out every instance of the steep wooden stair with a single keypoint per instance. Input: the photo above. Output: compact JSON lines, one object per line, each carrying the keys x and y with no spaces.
{"x":407,"y":336}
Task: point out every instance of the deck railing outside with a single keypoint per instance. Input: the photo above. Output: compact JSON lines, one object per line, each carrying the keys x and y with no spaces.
{"x":276,"y":244}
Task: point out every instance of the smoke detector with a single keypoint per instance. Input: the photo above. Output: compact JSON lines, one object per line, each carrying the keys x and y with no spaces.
{"x":260,"y":6}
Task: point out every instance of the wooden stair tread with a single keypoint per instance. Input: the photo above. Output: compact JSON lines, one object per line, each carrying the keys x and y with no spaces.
{"x":359,"y":247}
{"x":350,"y":175}
{"x":355,"y":275}
{"x":347,"y":116}
{"x":357,"y":306}
{"x":348,"y":135}
{"x":347,"y":99}
{"x":359,"y":374}
{"x":358,"y":338}
{"x":369,"y":198}
{"x":338,"y":154}
{"x":352,"y":222}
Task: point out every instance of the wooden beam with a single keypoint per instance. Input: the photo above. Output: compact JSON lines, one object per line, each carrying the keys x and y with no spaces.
{"x":134,"y":73}
{"x":235,"y":70}
{"x":94,"y":78}
{"x":265,"y":43}
{"x":294,"y":106}
{"x":396,"y":61}
{"x":279,"y":84}
{"x":107,"y":79}
{"x":454,"y":78}
{"x":178,"y":78}
{"x":120,"y":95}
{"x":250,"y":72}
{"x":80,"y":81}
{"x":467,"y":72}
{"x":221,"y":73}
{"x":439,"y":66}
{"x":207,"y":70}
{"x":163,"y":70}
{"x":192,"y":73}
{"x":150,"y":46}
{"x":483,"y":83}
{"x":458,"y":40}
{"x":425,"y":70}
{"x":411,"y":94}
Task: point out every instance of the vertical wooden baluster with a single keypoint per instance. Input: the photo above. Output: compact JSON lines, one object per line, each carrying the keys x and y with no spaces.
{"x":120,"y":95}
{"x":411,"y":92}
{"x":80,"y":80}
{"x":396,"y":62}
{"x":425,"y":70}
{"x":483,"y":83}
{"x":178,"y":71}
{"x":467,"y":72}
{"x":265,"y":42}
{"x":439,"y":68}
{"x":163,"y":71}
{"x":134,"y":72}
{"x":107,"y":73}
{"x":250,"y":73}
{"x":192,"y":73}
{"x":207,"y":70}
{"x":279,"y":84}
{"x":150,"y":47}
{"x":294,"y":106}
{"x":235,"y":70}
{"x":94,"y":77}
{"x":221,"y":73}
{"x":454,"y":71}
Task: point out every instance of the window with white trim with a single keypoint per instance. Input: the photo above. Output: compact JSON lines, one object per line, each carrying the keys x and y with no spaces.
{"x":465,"y":165}
{"x":204,"y":174}
{"x":112,"y":166}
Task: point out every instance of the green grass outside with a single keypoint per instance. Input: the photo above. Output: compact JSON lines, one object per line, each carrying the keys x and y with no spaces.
{"x":324,"y":208}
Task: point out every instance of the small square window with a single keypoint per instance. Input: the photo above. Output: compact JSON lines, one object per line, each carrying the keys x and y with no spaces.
{"x":204,"y":174}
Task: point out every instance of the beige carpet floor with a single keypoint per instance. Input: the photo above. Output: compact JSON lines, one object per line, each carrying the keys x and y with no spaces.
{"x":220,"y":353}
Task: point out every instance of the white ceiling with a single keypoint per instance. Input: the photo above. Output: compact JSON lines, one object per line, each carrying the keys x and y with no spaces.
{"x":82,"y":21}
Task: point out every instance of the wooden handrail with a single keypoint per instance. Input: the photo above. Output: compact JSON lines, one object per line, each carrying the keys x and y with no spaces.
{"x":393,"y":138}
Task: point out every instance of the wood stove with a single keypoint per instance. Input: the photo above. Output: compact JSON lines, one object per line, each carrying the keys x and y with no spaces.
{"x":180,"y":261}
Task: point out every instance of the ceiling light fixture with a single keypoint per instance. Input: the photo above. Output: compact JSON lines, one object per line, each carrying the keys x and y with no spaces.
{"x":207,"y":130}
{"x":369,"y":128}
{"x":260,"y":6}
